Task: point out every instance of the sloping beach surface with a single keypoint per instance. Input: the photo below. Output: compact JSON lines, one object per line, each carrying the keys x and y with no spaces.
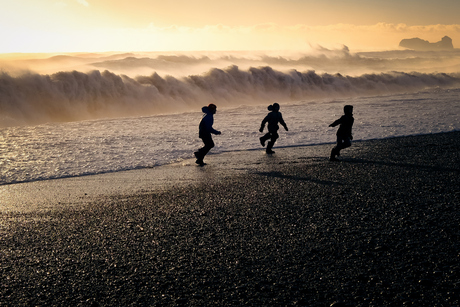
{"x":380,"y":228}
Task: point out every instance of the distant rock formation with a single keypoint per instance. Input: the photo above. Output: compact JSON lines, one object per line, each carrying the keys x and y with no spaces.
{"x":423,"y":45}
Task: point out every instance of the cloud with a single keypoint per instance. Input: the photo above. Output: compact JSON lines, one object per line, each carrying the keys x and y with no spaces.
{"x":60,"y":4}
{"x":263,"y":36}
{"x":83,"y":2}
{"x":271,"y":35}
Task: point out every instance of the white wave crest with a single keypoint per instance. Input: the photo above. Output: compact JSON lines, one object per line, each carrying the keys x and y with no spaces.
{"x":30,"y":98}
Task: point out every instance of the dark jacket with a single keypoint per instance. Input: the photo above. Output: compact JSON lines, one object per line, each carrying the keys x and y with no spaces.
{"x":206,"y":123}
{"x":273,"y":118}
{"x":346,"y":124}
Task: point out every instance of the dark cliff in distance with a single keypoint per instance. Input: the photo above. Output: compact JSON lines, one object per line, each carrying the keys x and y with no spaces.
{"x":423,"y":45}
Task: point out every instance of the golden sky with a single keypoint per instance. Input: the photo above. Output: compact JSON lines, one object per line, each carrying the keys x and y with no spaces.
{"x":33,"y":26}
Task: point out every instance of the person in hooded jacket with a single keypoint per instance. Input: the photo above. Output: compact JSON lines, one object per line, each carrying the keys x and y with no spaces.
{"x":344,"y":134}
{"x":273,"y":118}
{"x":205,"y":131}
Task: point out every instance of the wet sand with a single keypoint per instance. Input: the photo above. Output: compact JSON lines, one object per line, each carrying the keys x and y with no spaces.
{"x":380,"y":228}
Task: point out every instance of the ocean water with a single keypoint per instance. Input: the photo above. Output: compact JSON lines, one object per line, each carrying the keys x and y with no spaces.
{"x":73,"y":123}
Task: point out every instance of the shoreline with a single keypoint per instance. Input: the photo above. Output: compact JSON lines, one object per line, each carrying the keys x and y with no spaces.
{"x":44,"y":194}
{"x":379,"y":228}
{"x":184,"y":161}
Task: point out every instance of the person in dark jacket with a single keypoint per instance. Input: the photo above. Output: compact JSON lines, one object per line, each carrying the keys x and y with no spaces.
{"x":273,"y":118}
{"x":344,"y":135}
{"x":205,"y":130}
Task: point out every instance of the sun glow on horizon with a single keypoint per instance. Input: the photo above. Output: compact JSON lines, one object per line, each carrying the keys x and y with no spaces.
{"x":149,"y":25}
{"x":220,"y":37}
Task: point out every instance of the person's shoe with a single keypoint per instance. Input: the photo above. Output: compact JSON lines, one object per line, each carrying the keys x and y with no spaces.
{"x":262,"y":142}
{"x":269,"y":152}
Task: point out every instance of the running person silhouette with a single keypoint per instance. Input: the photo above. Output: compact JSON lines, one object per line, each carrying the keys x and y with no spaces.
{"x":205,"y":130}
{"x":344,"y":135}
{"x":272,"y":118}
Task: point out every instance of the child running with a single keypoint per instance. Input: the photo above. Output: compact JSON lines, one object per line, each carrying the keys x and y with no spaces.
{"x":344,"y":135}
{"x":205,"y":133}
{"x":273,"y":118}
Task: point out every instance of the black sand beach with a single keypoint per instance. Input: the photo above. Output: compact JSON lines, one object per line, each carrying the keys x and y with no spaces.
{"x":380,"y":228}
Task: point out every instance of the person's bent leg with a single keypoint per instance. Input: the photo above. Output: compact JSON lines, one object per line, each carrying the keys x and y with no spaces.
{"x":265,"y":138}
{"x":341,"y":144}
{"x":208,"y":145}
{"x":346,"y":143}
{"x":202,"y":152}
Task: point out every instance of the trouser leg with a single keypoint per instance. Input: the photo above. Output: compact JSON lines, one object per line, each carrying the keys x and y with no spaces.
{"x":342,"y":142}
{"x":270,"y":146}
{"x":266,"y":136}
{"x":208,"y":145}
{"x":273,"y":137}
{"x":333,"y":153}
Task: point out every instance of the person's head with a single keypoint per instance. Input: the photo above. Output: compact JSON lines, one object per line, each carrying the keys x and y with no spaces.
{"x":212,"y":108}
{"x":275,"y":107}
{"x":348,"y":109}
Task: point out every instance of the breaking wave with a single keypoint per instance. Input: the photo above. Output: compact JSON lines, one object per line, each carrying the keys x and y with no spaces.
{"x":31,"y":98}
